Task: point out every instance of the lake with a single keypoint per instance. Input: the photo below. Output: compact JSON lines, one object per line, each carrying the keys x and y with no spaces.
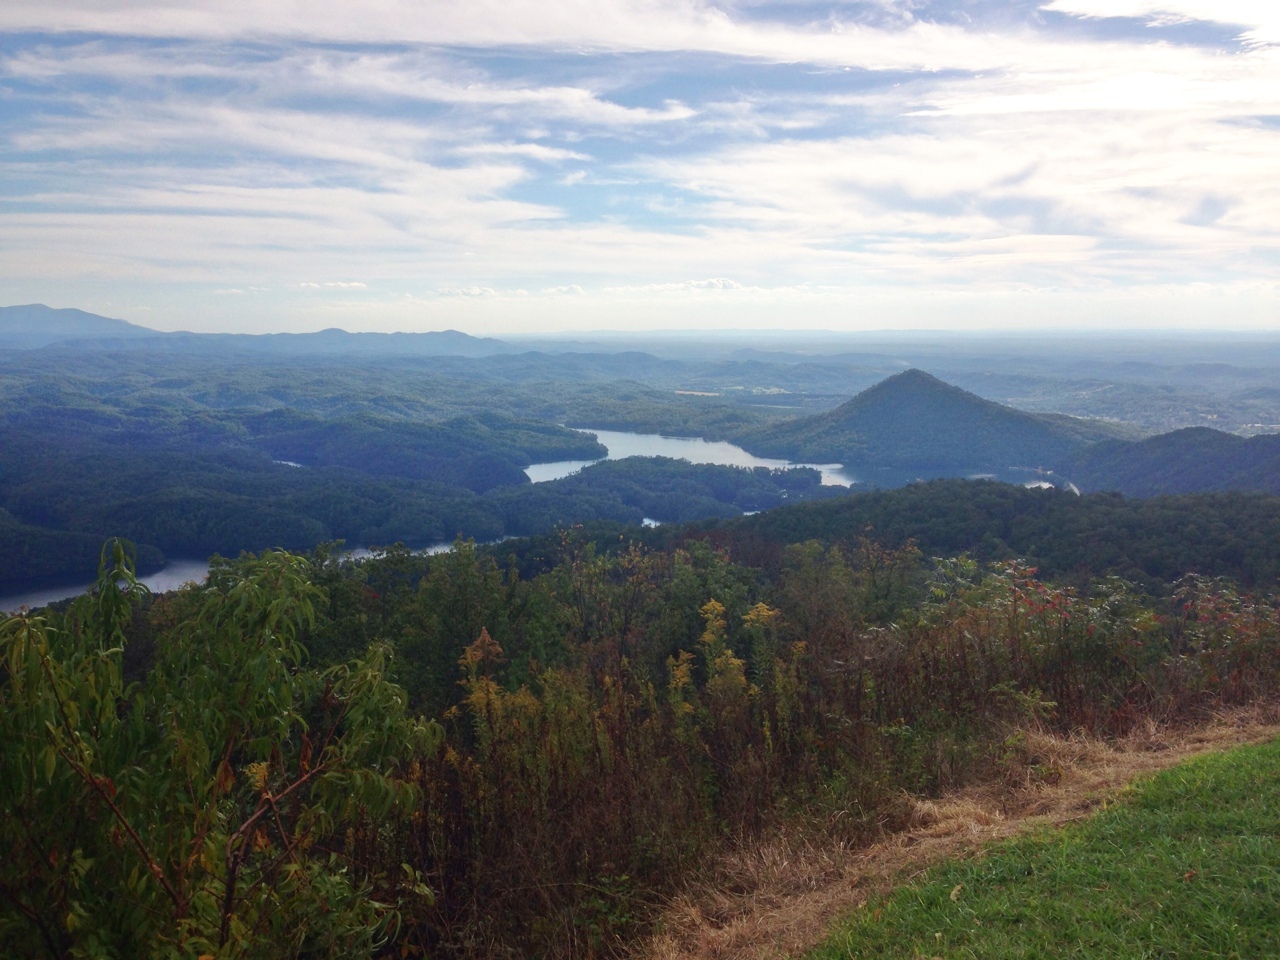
{"x":174,"y":575}
{"x":621,"y":444}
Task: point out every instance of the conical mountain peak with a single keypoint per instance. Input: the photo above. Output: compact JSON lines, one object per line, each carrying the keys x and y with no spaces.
{"x":912,"y":378}
{"x":916,"y":422}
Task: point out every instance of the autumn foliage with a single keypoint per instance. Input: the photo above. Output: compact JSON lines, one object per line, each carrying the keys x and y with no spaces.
{"x":600,"y":730}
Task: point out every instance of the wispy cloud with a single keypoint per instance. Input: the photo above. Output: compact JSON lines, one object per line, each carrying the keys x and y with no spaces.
{"x":713,"y":283}
{"x":1259,"y":19}
{"x":598,"y":153}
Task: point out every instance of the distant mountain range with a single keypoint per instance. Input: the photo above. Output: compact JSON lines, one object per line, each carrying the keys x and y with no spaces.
{"x":33,"y":326}
{"x":915,"y":423}
{"x":910,"y":425}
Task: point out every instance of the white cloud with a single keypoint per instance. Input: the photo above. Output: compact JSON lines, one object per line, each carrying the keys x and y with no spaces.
{"x":534,"y":151}
{"x":565,"y":25}
{"x":1260,"y":18}
{"x":468,"y":292}
{"x":995,"y":161}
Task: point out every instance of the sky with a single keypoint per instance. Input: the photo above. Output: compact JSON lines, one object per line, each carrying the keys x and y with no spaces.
{"x":544,"y":165}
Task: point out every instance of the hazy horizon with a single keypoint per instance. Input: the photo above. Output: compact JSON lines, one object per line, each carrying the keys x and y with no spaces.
{"x":1111,"y":333}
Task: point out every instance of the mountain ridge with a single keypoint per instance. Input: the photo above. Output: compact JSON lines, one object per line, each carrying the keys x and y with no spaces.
{"x":30,"y":326}
{"x":36,"y":326}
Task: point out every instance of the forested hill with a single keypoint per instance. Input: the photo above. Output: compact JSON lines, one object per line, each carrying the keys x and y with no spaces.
{"x":1184,"y":461}
{"x":913,"y":421}
{"x":1149,"y":541}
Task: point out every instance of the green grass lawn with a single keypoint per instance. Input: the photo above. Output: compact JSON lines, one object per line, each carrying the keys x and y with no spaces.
{"x":1187,"y":865}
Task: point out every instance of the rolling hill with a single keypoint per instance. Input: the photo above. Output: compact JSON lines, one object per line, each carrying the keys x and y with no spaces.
{"x":1194,"y":460}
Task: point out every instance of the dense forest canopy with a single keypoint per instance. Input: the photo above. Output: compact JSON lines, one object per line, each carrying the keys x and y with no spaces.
{"x":448,"y":757}
{"x":1191,"y":460}
{"x":1150,"y":541}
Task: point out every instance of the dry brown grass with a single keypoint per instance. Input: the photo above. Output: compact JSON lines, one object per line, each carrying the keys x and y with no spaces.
{"x":779,"y":897}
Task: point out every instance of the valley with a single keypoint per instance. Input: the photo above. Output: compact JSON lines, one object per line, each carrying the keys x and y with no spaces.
{"x":218,"y":444}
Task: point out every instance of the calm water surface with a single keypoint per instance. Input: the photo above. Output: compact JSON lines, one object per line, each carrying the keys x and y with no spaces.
{"x":175,"y":574}
{"x":621,"y":444}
